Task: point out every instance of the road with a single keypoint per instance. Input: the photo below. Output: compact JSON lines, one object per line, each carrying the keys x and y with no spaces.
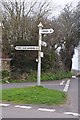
{"x":69,"y":110}
{"x":51,"y":85}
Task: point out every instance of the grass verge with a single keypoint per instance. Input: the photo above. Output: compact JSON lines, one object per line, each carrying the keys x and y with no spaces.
{"x":34,"y":95}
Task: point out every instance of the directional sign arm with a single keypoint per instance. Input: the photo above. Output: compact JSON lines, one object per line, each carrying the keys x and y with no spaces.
{"x":47,"y":31}
{"x":43,"y":43}
{"x":27,"y":48}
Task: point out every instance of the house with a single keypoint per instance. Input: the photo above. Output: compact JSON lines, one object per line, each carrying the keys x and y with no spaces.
{"x":4,"y":61}
{"x":76,"y":59}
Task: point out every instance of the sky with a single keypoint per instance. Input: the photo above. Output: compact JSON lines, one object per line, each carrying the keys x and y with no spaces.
{"x":63,"y":2}
{"x":60,"y":4}
{"x":56,"y":5}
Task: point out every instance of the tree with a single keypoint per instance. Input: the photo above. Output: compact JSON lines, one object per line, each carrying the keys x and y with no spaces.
{"x":20,"y":27}
{"x":77,"y":18}
{"x":68,"y":36}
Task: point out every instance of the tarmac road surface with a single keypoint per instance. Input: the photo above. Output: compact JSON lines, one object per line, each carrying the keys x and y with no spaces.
{"x":69,"y":110}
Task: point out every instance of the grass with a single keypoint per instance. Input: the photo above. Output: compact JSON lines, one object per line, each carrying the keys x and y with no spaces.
{"x":34,"y":95}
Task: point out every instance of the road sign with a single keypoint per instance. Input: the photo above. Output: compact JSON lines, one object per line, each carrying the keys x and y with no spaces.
{"x":27,"y":48}
{"x":0,"y":24}
{"x":43,"y":43}
{"x":41,"y":54}
{"x":46,"y":31}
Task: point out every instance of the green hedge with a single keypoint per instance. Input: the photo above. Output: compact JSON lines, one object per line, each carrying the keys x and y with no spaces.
{"x":56,"y":76}
{"x":32,"y":77}
{"x":5,"y":73}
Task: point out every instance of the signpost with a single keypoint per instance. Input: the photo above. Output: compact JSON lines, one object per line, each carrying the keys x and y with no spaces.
{"x":41,"y":31}
{"x":40,"y":54}
{"x":27,"y":48}
{"x":43,"y":43}
{"x":47,"y":31}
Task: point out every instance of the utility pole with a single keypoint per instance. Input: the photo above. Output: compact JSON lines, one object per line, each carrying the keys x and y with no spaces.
{"x":39,"y":55}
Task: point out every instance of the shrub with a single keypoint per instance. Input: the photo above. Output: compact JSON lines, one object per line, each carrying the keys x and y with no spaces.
{"x":56,"y":76}
{"x":5,"y":73}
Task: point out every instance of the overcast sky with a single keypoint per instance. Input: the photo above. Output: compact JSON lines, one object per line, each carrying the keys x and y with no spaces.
{"x":63,"y":2}
{"x":56,"y":5}
{"x":59,"y":4}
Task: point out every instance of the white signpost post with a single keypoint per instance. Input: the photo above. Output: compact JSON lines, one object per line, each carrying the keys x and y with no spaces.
{"x":40,"y":54}
{"x":41,"y":31}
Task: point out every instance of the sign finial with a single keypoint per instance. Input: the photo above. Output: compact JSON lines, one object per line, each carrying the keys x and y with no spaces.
{"x":40,"y":25}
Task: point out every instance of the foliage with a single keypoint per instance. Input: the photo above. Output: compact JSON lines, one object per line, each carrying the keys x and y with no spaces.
{"x":77,"y":19}
{"x":0,"y":74}
{"x":56,"y":76}
{"x":45,"y":76}
{"x":5,"y":76}
{"x":34,"y":95}
{"x":5,"y":73}
{"x":20,"y":27}
{"x":68,"y":32}
{"x":50,"y":61}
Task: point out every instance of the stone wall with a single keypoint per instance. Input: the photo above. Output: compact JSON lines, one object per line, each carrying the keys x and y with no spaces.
{"x":5,"y":64}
